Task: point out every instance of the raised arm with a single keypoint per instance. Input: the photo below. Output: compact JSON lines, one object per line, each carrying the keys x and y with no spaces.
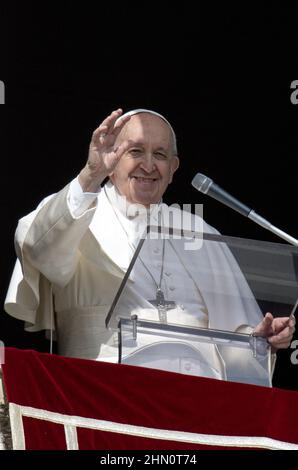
{"x":103,"y":152}
{"x":49,"y":237}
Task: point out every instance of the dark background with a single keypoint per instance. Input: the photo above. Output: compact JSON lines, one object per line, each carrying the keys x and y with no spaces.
{"x":220,"y":73}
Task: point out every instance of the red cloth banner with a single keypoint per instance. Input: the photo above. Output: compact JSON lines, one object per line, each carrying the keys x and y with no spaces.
{"x":65,"y":403}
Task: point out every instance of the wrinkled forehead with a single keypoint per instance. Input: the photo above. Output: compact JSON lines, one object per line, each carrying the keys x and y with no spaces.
{"x":154,"y":113}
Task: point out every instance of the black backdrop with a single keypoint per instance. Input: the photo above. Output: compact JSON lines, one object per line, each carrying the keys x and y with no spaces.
{"x":221,"y":74}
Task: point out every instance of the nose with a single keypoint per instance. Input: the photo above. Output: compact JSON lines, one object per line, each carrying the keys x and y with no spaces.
{"x":148,"y":163}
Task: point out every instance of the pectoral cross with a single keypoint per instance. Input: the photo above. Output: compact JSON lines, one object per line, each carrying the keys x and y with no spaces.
{"x":162,"y":305}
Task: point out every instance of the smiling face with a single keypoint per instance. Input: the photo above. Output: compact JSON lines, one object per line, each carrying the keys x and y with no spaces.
{"x":147,"y":167}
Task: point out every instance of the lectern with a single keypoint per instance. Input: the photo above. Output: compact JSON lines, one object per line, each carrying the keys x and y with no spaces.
{"x":198,"y":303}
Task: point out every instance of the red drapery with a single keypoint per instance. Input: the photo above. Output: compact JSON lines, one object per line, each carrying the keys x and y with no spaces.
{"x":136,"y":408}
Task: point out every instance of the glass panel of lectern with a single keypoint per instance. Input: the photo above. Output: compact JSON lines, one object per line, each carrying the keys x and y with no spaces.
{"x":189,"y":302}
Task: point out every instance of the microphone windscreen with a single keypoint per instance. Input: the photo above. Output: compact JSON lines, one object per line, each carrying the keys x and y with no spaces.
{"x":202,"y":182}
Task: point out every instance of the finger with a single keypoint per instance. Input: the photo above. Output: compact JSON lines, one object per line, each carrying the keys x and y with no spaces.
{"x":109,"y":122}
{"x":292,"y":321}
{"x":285,"y":336}
{"x":267,"y":321}
{"x":279,"y":344}
{"x":281,"y":323}
{"x":292,"y":329}
{"x":264,"y":328}
{"x":99,"y":133}
{"x":119,"y":124}
{"x":107,"y":125}
{"x":269,"y":318}
{"x":119,"y":151}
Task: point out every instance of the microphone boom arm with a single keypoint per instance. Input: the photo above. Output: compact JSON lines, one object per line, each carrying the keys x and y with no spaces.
{"x":267,"y":225}
{"x":207,"y":186}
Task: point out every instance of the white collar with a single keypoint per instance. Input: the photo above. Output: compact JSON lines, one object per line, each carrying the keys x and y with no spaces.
{"x":130,"y":210}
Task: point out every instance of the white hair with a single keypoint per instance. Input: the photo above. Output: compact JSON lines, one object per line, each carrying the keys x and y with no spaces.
{"x":141,"y":110}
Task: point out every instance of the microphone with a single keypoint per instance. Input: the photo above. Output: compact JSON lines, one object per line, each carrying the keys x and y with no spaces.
{"x":207,"y":186}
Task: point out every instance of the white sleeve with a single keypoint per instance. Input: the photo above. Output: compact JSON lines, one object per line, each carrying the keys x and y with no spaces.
{"x":48,"y":239}
{"x":78,"y":201}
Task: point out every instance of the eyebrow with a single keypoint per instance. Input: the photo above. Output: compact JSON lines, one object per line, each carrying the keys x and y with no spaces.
{"x":140,"y":143}
{"x":136,"y":143}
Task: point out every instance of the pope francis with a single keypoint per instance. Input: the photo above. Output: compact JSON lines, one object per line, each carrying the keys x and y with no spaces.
{"x":74,"y":249}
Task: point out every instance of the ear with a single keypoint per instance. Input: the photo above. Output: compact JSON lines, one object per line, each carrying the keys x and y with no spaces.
{"x":175,"y":162}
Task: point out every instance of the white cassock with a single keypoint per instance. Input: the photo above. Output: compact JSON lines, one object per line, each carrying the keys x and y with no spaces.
{"x":72,"y":259}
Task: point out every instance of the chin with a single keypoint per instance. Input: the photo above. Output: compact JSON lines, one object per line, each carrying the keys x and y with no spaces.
{"x":145,"y":200}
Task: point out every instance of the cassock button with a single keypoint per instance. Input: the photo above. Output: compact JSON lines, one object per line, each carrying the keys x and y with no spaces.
{"x":172,"y":288}
{"x":156,"y":250}
{"x":167,"y":273}
{"x":187,"y":366}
